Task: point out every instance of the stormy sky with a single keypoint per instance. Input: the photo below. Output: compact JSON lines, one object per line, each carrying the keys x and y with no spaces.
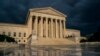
{"x":82,"y":14}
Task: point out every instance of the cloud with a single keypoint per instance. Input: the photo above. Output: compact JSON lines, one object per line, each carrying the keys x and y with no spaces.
{"x":81,"y":13}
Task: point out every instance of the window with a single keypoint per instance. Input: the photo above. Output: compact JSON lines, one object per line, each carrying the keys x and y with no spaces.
{"x":73,"y":35}
{"x":24,"y":40}
{"x":19,"y":34}
{"x":19,"y":40}
{"x":24,"y":34}
{"x":9,"y":34}
{"x":44,"y":36}
{"x":14,"y":34}
{"x":3,"y":33}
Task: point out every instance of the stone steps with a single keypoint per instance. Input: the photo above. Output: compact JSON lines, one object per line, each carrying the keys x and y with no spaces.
{"x":52,"y":42}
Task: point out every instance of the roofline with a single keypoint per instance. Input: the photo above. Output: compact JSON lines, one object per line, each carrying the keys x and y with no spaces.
{"x":33,"y":9}
{"x":73,"y":30}
{"x":12,"y":24}
{"x":27,"y":17}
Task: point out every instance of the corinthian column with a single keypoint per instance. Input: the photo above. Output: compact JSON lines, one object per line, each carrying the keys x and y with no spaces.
{"x":46,"y":27}
{"x":64,"y":28}
{"x":51,"y":27}
{"x":41,"y":27}
{"x":61,"y":29}
{"x":56,"y":28}
{"x":36,"y":24}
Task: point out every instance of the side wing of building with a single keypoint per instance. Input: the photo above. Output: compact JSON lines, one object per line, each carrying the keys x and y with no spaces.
{"x":20,"y":32}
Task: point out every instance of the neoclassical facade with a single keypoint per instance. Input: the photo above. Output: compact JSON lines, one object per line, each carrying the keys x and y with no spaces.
{"x":48,"y":24}
{"x":44,"y":26}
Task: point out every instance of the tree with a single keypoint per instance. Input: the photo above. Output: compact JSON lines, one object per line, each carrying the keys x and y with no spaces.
{"x":95,"y":36}
{"x":9,"y":39}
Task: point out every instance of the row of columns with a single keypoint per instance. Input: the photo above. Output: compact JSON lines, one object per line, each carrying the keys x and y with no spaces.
{"x":48,"y":27}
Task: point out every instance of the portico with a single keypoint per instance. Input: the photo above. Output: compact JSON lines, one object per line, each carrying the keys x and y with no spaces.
{"x":48,"y":24}
{"x":48,"y":27}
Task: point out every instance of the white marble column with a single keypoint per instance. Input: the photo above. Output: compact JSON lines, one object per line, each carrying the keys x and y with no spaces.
{"x":46,"y":27}
{"x":51,"y":28}
{"x":56,"y":28}
{"x":44,"y":23}
{"x":41,"y":26}
{"x":36,"y":23}
{"x":61,"y":29}
{"x":64,"y":29}
{"x":38,"y":28}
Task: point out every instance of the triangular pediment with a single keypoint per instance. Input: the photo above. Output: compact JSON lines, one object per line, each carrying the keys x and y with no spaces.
{"x":48,"y":10}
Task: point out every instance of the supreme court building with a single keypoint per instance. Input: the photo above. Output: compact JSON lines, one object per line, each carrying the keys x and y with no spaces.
{"x":43,"y":26}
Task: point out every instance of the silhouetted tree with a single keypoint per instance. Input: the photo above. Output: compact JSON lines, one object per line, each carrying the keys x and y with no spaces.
{"x":9,"y":39}
{"x":95,"y":36}
{"x":83,"y":40}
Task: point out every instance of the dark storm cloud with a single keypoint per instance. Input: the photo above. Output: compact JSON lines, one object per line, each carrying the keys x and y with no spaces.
{"x":82,"y":14}
{"x":89,"y":13}
{"x":89,"y":9}
{"x":16,"y":10}
{"x":13,"y":10}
